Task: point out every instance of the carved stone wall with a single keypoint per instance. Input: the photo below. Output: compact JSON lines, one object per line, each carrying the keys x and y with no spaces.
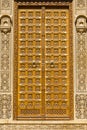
{"x":81,"y":30}
{"x":5,"y":58}
{"x":5,"y":55}
{"x":81,"y":59}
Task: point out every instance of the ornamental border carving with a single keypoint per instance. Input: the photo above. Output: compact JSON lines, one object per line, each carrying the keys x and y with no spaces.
{"x":27,"y":3}
{"x":5,"y":106}
{"x":5,"y":99}
{"x":81,"y":106}
{"x":81,"y":30}
{"x":5,"y":28}
{"x":43,"y":126}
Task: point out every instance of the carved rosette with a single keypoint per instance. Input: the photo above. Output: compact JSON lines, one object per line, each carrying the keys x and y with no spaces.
{"x":81,"y":28}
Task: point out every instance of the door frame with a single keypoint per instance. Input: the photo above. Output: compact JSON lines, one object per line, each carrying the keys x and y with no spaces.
{"x":23,"y":3}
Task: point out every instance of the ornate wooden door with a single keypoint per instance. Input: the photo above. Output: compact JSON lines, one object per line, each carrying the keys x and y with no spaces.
{"x":56,"y":62}
{"x":43,"y":63}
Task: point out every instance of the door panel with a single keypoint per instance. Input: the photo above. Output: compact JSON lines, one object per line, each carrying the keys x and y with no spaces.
{"x":57,"y":62}
{"x":43,"y":87}
{"x":29,"y":62}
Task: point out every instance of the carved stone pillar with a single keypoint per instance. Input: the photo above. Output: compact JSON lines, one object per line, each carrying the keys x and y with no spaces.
{"x":81,"y":65}
{"x":5,"y":99}
{"x":81,"y":28}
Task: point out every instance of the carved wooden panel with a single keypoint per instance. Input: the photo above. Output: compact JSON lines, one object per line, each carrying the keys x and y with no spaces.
{"x":57,"y":62}
{"x":44,"y":80}
{"x":29,"y":62}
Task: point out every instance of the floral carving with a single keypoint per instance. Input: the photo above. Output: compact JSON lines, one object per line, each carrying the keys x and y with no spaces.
{"x":81,"y":3}
{"x":81,"y":28}
{"x":5,"y":107}
{"x":81,"y":106}
{"x":6,"y":4}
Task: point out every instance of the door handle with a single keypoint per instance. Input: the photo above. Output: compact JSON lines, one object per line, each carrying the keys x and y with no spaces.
{"x":52,"y":64}
{"x":34,"y":65}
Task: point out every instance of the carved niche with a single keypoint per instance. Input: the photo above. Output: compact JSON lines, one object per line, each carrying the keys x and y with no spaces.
{"x":81,"y":28}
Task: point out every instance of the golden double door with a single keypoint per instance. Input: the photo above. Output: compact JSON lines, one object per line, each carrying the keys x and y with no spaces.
{"x":43,"y":85}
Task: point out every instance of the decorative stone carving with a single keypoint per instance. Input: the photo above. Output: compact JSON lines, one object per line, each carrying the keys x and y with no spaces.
{"x":5,"y":106}
{"x":5,"y":22}
{"x":81,"y":106}
{"x":44,"y":127}
{"x":5,"y":82}
{"x":5,"y":4}
{"x":81,"y":3}
{"x":5,"y":28}
{"x":81,"y":28}
{"x":81,"y":24}
{"x":5,"y":36}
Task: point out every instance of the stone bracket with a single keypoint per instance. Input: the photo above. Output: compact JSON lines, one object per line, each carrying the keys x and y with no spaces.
{"x":5,"y":23}
{"x":81,"y":24}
